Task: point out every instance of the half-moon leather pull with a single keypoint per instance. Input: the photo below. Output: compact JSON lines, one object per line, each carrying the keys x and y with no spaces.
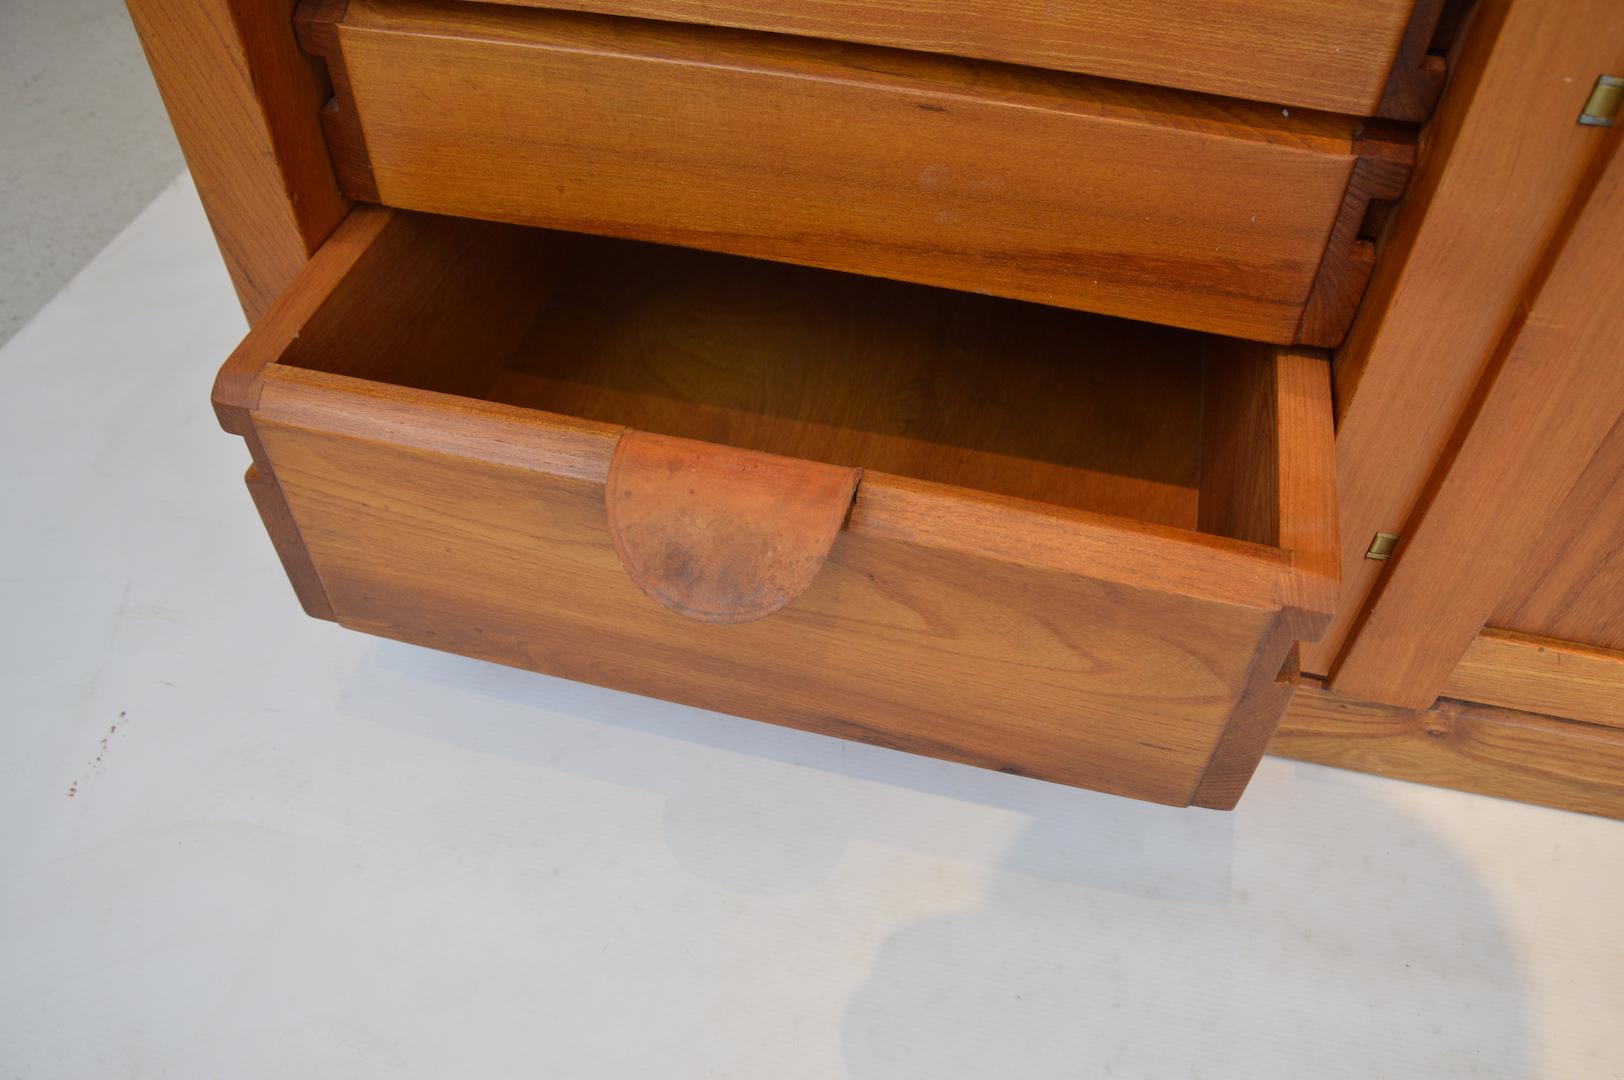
{"x":720,"y":534}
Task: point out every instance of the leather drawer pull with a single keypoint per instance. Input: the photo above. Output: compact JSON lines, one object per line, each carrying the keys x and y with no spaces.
{"x":720,"y":534}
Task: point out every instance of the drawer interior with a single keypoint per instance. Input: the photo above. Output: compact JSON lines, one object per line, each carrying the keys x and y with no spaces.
{"x":1017,"y":399}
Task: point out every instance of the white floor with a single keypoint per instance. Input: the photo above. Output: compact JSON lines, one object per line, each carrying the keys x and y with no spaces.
{"x":235,"y":842}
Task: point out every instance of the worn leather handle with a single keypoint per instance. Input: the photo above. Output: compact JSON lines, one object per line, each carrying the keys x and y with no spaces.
{"x":719,"y":534}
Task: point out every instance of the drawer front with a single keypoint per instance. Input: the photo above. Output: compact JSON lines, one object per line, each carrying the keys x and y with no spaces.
{"x":915,"y":645}
{"x":939,"y":624}
{"x":1367,"y":58}
{"x":1199,"y":212}
{"x":1057,"y":643}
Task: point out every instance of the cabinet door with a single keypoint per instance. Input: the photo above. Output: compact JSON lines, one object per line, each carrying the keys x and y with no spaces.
{"x":1504,"y":161}
{"x":1507,"y":526}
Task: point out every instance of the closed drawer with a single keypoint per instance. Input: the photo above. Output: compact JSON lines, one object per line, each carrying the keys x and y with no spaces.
{"x":1368,"y":58}
{"x":1065,"y":546}
{"x":1134,"y":201}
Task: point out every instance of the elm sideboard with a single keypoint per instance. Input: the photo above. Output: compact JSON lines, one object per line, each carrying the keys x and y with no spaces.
{"x":1103,"y":393}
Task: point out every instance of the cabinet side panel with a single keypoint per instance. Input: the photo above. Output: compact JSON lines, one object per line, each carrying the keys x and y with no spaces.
{"x":245,"y":105}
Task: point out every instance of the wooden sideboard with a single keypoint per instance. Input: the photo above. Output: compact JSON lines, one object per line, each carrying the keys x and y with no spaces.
{"x":1032,"y":386}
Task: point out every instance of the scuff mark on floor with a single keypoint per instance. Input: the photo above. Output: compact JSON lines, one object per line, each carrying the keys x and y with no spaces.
{"x":101,"y":751}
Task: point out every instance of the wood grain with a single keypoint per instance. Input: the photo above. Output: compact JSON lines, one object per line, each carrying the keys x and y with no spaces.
{"x":315,"y":23}
{"x":1054,"y":642}
{"x":444,"y":303}
{"x":244,"y":101}
{"x":1316,"y":54}
{"x":290,"y":548}
{"x":1070,"y":409}
{"x":803,"y":363}
{"x":1548,"y":405}
{"x":1457,"y":260}
{"x":1271,"y":681}
{"x":1266,"y":477}
{"x":401,"y":259}
{"x":424,"y":280}
{"x":1266,"y":469}
{"x":1128,"y":200}
{"x":1539,"y":675}
{"x":1073,"y":680}
{"x":1063,"y":540}
{"x":1477,"y":748}
{"x":718,"y":534}
{"x":236,"y":388}
{"x":1572,"y":586}
{"x":1305,"y":476}
{"x":1241,"y":429}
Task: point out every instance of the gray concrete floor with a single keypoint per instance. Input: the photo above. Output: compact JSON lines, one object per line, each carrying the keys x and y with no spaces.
{"x":84,"y":143}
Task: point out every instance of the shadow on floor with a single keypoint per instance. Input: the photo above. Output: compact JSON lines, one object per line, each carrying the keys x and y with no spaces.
{"x":1318,"y":931}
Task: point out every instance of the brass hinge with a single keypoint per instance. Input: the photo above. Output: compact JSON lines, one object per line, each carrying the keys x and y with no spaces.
{"x":1604,"y":101}
{"x":1381,"y":548}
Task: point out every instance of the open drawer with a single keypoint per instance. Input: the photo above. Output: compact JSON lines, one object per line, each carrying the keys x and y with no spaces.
{"x":1209,"y":213}
{"x":1056,"y":544}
